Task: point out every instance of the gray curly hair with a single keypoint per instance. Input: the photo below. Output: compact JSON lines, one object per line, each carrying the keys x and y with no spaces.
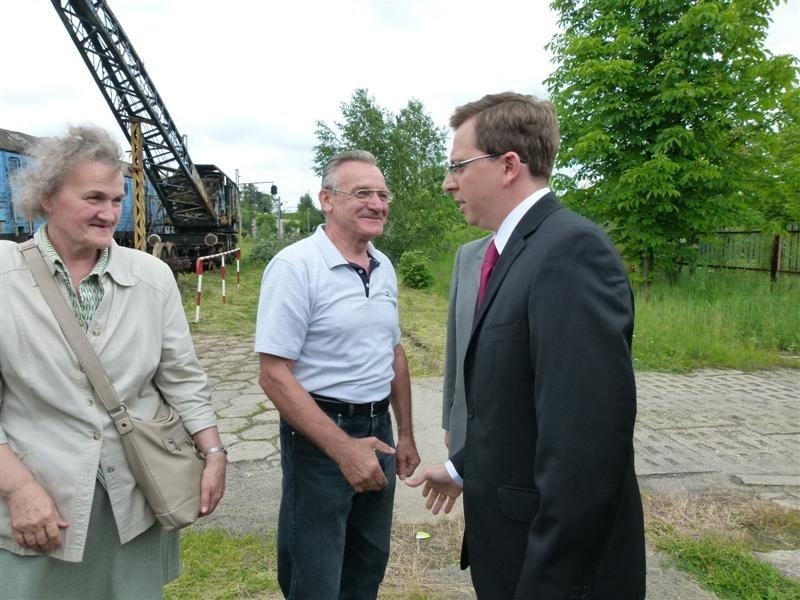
{"x":54,"y":158}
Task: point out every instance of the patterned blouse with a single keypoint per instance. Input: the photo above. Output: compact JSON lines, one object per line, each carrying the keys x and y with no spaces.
{"x":90,"y":291}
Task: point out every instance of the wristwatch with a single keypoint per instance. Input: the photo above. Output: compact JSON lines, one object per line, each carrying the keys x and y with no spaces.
{"x":208,"y":451}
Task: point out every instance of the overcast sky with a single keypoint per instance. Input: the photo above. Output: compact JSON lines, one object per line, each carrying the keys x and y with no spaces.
{"x":246,"y":80}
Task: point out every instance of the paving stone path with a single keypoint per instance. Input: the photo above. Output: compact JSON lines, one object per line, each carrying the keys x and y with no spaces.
{"x":708,"y":431}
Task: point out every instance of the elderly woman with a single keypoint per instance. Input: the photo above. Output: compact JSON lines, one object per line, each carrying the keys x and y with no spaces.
{"x":73,"y":523}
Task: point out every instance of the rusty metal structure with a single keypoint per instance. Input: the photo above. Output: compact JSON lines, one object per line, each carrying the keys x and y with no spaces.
{"x":201,"y":202}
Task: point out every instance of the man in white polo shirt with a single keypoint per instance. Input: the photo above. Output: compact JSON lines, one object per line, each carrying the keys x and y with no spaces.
{"x":328,"y":335}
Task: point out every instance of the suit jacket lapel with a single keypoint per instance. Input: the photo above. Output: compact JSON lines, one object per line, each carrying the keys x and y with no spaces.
{"x":516,"y":244}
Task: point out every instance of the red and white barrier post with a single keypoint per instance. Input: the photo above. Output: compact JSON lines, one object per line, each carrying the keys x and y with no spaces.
{"x":238,"y":259}
{"x":199,"y":270}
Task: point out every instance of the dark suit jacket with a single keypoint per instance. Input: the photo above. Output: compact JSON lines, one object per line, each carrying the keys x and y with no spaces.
{"x":551,"y":502}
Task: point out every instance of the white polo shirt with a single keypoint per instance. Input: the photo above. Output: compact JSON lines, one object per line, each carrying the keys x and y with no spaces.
{"x":314,"y":309}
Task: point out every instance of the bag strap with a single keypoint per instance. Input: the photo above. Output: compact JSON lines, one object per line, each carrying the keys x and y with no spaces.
{"x":76,"y":337}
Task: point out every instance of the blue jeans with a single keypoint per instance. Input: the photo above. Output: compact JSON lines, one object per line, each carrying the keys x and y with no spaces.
{"x":332,"y":542}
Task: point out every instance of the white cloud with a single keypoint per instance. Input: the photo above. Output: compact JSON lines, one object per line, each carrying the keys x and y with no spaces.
{"x":246,"y":80}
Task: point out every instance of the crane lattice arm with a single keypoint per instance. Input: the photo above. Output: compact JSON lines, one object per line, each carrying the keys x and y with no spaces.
{"x":121,"y":77}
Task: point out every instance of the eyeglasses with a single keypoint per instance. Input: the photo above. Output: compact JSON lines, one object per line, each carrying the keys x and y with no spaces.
{"x":364,"y":194}
{"x":456,"y":167}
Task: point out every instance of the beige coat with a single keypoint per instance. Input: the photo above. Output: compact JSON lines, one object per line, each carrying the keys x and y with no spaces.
{"x":49,"y":415}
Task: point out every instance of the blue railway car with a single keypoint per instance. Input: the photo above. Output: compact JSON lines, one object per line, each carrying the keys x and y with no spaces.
{"x":13,"y":226}
{"x":13,"y":146}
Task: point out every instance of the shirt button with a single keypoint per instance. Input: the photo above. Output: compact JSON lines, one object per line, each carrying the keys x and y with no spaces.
{"x":110,"y":470}
{"x":97,"y":435}
{"x":91,"y":402}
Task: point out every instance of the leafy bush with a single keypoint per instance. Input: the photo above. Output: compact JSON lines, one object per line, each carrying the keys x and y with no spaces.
{"x":265,"y":226}
{"x":265,"y":248}
{"x":414,"y":268}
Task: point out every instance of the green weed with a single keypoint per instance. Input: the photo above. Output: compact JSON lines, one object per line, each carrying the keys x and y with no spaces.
{"x":718,"y":319}
{"x":219,"y":566}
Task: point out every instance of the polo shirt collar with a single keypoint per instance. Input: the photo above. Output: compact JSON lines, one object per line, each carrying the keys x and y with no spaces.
{"x":330,"y":253}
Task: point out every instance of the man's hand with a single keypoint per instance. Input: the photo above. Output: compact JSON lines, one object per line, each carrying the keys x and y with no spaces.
{"x":407,"y":456}
{"x":440,"y":489}
{"x":35,"y":520}
{"x":360,"y":465}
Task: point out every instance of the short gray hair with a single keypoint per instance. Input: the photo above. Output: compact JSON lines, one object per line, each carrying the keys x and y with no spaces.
{"x":54,"y":158}
{"x":329,"y":172}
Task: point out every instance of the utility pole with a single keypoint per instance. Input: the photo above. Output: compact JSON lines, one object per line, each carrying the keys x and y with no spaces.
{"x":238,"y":206}
{"x":251,"y":188}
{"x":278,"y":204}
{"x":252,"y":213}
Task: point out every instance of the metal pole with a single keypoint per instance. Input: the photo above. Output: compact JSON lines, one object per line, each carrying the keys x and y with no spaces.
{"x":238,"y":205}
{"x":138,"y":185}
{"x":252,"y":215}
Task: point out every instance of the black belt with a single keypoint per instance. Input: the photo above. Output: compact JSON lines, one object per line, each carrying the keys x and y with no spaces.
{"x":349,"y":409}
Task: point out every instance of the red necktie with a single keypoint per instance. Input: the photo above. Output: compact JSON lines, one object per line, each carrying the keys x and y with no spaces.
{"x":489,"y":261}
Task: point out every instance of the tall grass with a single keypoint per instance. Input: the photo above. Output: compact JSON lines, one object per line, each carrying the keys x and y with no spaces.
{"x":442,"y":264}
{"x":723,"y":319}
{"x":423,"y":323}
{"x":708,"y":319}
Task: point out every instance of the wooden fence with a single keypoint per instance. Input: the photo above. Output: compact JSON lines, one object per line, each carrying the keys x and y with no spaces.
{"x":752,"y":250}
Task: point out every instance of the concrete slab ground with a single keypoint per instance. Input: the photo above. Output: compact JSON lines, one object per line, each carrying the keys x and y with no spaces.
{"x":702,"y":432}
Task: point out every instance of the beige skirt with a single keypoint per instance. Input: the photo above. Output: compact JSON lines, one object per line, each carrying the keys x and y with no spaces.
{"x":109,"y":571}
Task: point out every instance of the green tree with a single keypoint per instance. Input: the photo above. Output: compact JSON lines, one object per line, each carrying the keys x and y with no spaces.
{"x":308,"y":214}
{"x":253,"y":203}
{"x":769,"y":171}
{"x":266,"y":226}
{"x":411,"y":153}
{"x":660,"y":102}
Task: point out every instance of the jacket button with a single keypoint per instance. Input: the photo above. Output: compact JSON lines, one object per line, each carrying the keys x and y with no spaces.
{"x":470,"y":414}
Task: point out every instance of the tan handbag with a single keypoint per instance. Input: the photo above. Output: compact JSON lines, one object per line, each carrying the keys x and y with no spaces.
{"x":161,"y":454}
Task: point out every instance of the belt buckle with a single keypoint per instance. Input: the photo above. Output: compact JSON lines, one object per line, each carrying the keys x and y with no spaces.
{"x":371,"y":409}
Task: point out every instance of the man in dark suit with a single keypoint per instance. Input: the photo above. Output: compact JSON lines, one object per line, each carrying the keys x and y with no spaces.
{"x":551,"y":503}
{"x":461,"y":310}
